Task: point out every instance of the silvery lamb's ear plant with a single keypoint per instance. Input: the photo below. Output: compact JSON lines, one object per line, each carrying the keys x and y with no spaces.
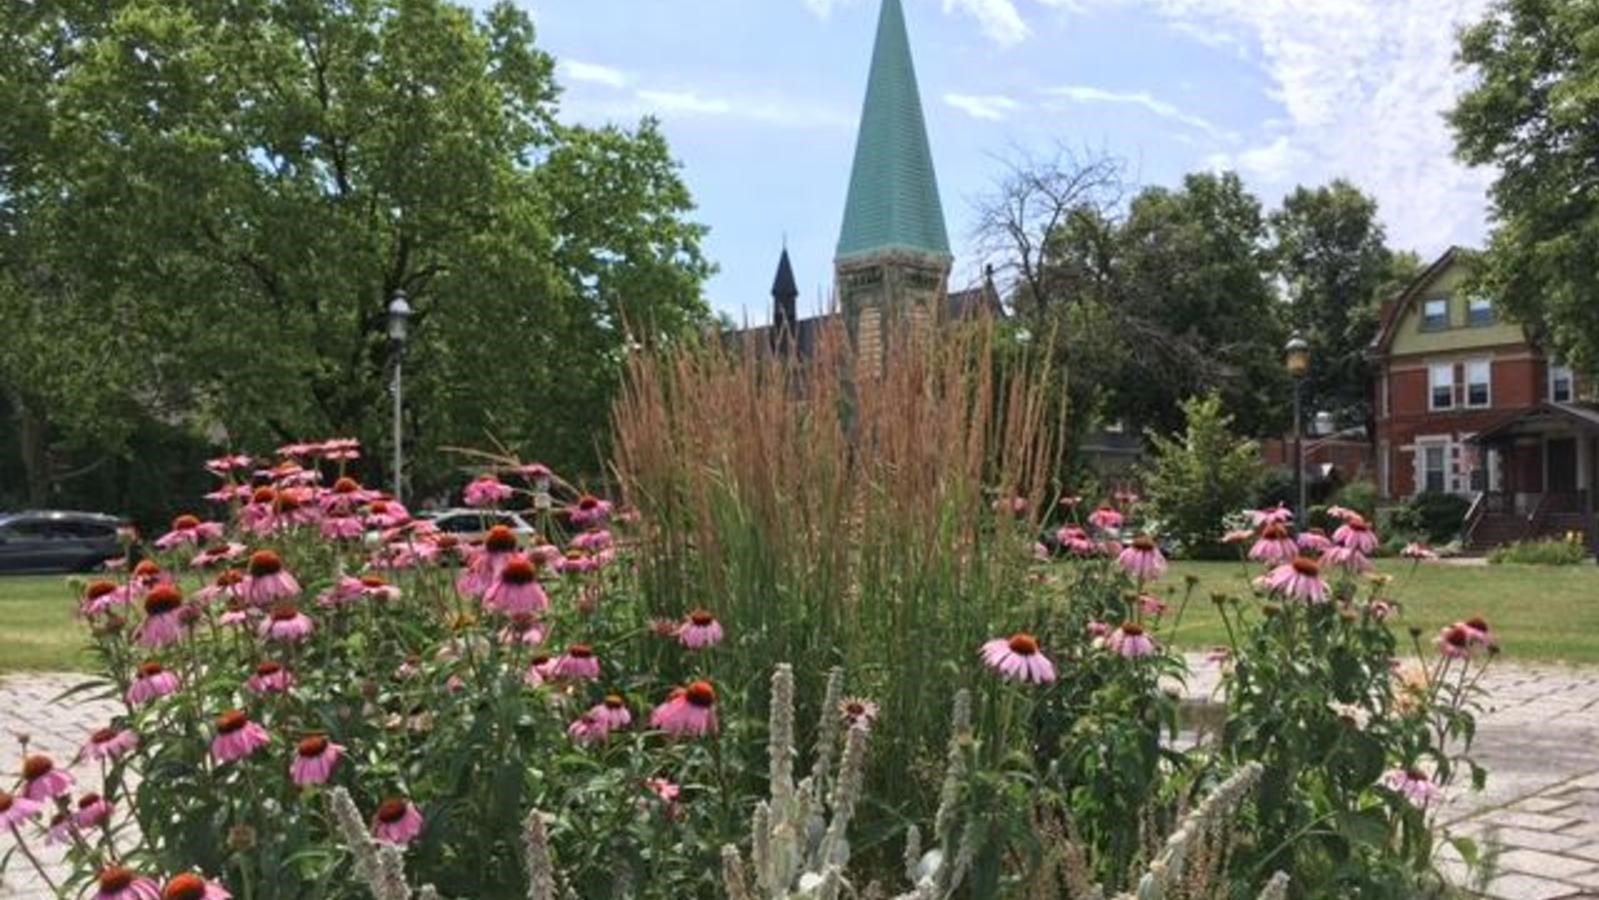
{"x":796,"y":852}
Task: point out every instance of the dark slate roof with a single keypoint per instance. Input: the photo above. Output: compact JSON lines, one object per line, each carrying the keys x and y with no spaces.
{"x":1582,"y":416}
{"x":783,"y":286}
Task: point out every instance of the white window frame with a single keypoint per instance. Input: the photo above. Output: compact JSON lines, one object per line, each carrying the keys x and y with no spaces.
{"x":1423,"y":482}
{"x":1555,"y":369}
{"x":1476,"y":303}
{"x":1488,"y":401}
{"x":1426,"y":318}
{"x":1385,"y":402}
{"x":1433,"y":385}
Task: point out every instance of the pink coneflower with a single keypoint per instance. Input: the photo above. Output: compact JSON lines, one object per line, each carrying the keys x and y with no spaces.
{"x":857,"y":711}
{"x":189,"y":886}
{"x":1237,"y":536}
{"x":1477,"y":627}
{"x":1076,"y":541}
{"x":593,"y":541}
{"x":1346,"y":558}
{"x":1142,"y":559}
{"x":688,"y":712}
{"x":161,"y":625}
{"x":345,"y":497}
{"x":108,"y":744}
{"x":228,"y":585}
{"x":121,"y":883}
{"x":1454,"y":641}
{"x":1018,"y":658}
{"x":314,"y":759}
{"x":15,"y":810}
{"x":1105,"y":518}
{"x":613,"y":712}
{"x":1380,"y":609}
{"x":1096,"y":629}
{"x":1131,"y":641}
{"x":1419,"y":552}
{"x":1414,"y":785}
{"x":664,"y":790}
{"x":268,"y":581}
{"x":148,"y":574}
{"x":1125,"y":497}
{"x":1299,"y":580}
{"x":100,"y":596}
{"x":1071,"y":501}
{"x":538,"y":670}
{"x":524,"y":629}
{"x":1342,"y":513}
{"x":1313,"y":541}
{"x":187,"y":529}
{"x":383,"y":514}
{"x":1356,"y":535}
{"x":588,"y":729}
{"x":1219,"y":655}
{"x":537,"y":472}
{"x":1151,"y":606}
{"x":576,"y":562}
{"x":578,"y":662}
{"x":226,"y":551}
{"x":151,"y":682}
{"x":1276,"y":515}
{"x":341,"y":528}
{"x":588,"y":511}
{"x":238,"y":614}
{"x":397,"y":821}
{"x":340,"y":449}
{"x":700,"y":630}
{"x":42,"y":780}
{"x":1275,"y":546}
{"x":484,"y":491}
{"x":222,"y":465}
{"x":229,"y":493}
{"x":237,"y":737}
{"x":286,"y":623}
{"x":516,"y":589}
{"x":271,"y":678}
{"x":61,"y":829}
{"x":93,"y":812}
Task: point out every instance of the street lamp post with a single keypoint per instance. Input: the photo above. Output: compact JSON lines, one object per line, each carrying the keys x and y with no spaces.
{"x":399,"y":326}
{"x":1297,"y":360}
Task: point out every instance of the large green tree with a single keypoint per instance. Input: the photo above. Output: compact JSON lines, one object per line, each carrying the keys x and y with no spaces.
{"x":1530,"y":113}
{"x":231,"y":192}
{"x":1330,"y":252}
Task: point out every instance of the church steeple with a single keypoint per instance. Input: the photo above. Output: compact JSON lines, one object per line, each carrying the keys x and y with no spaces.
{"x":784,"y":294}
{"x":893,"y":252}
{"x":893,"y":192}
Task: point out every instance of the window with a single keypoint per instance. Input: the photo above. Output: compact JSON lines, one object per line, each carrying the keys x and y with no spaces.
{"x":1441,"y":378}
{"x":1480,"y":311}
{"x":1433,"y":472}
{"x":1561,"y":384}
{"x":1435,"y":314}
{"x":1479,"y":382}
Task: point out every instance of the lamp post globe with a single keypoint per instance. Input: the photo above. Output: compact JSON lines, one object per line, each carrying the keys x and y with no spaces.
{"x":1296,"y":359}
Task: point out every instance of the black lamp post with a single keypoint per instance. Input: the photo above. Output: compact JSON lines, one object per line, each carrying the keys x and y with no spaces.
{"x":399,"y":330}
{"x":1296,"y":358}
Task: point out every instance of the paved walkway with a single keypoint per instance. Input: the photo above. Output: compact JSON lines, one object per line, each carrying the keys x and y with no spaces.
{"x":1539,"y":740}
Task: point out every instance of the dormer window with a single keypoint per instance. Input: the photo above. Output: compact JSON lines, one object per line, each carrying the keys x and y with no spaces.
{"x":1480,"y":312}
{"x":1561,"y":383}
{"x":1435,"y":314}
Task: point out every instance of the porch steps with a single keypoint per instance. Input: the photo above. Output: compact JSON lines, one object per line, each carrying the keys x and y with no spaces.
{"x":1495,"y":530}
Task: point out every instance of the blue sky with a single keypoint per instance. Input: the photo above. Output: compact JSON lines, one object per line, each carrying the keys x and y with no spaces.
{"x":760,"y":98}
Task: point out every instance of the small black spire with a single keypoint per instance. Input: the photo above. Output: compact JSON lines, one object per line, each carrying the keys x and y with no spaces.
{"x":785,"y":292}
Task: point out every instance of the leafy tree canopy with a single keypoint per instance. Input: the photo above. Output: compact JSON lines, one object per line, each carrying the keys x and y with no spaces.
{"x":1530,"y":114}
{"x":216,"y":200}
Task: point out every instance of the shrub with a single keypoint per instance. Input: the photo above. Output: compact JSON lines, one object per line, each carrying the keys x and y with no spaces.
{"x":1198,"y":479}
{"x":1567,"y":551}
{"x":1438,"y":517}
{"x":1360,"y":496}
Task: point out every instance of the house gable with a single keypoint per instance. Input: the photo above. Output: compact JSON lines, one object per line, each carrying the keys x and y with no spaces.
{"x":1407,"y":332}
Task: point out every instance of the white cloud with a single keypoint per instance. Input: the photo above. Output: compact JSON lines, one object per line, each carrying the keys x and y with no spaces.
{"x":593,"y":73}
{"x":1363,"y":85}
{"x":993,"y":107}
{"x":1082,"y":93}
{"x":678,"y":105}
{"x":686,"y":102}
{"x":999,"y":20}
{"x":824,"y":8}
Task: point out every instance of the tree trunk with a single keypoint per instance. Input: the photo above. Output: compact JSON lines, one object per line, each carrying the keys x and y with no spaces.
{"x":33,"y":433}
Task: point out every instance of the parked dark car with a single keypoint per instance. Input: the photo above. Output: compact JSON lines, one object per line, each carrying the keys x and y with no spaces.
{"x":57,"y":541}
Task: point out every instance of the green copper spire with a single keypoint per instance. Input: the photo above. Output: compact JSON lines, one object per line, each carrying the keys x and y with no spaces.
{"x":893,"y":193}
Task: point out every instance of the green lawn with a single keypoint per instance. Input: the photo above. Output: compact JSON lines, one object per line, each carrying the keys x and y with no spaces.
{"x":1541,"y":613}
{"x":37,"y":628}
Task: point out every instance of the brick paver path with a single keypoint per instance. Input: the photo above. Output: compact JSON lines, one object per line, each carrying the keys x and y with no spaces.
{"x":1539,"y":740}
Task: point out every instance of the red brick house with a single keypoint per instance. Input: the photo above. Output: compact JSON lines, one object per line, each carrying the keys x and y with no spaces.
{"x":1468,"y":404}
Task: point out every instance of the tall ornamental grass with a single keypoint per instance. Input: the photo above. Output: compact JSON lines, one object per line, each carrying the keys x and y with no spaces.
{"x":880,"y":517}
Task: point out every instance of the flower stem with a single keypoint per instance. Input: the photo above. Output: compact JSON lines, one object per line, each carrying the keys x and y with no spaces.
{"x":37,"y":866}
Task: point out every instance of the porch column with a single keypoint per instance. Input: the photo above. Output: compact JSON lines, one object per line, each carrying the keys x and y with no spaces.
{"x":1588,"y":468}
